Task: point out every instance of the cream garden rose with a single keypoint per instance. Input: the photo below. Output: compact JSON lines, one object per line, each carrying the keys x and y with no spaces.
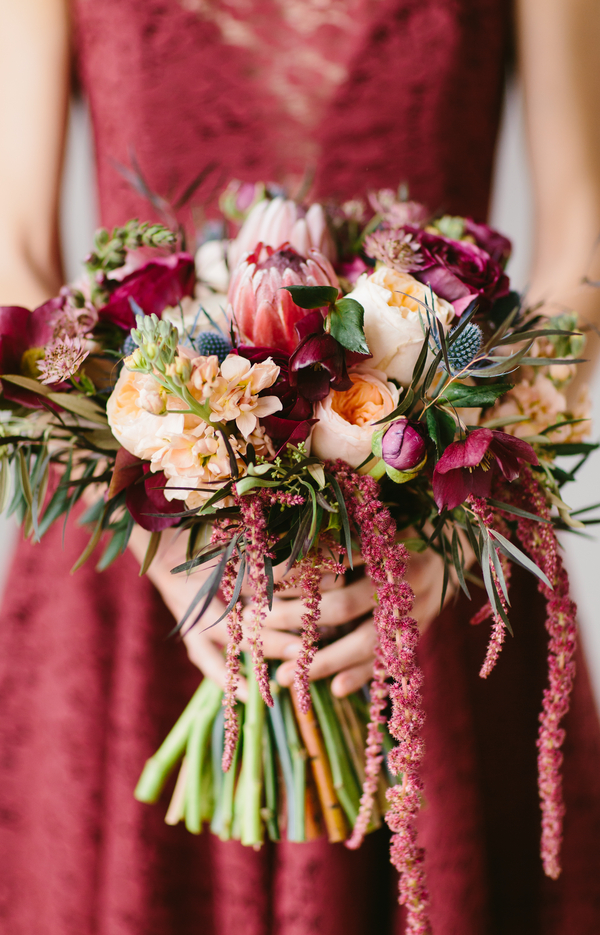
{"x":346,"y":419}
{"x":394,"y":319}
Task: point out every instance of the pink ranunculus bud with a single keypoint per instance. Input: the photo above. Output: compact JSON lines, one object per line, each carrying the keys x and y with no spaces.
{"x":279,"y":221}
{"x":259,"y":304}
{"x":402,"y":446}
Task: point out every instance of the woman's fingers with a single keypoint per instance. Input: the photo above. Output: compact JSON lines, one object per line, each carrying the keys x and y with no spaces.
{"x":277,"y":644}
{"x":338,"y":607}
{"x":209,"y":659}
{"x":352,"y":679}
{"x":354,"y":649}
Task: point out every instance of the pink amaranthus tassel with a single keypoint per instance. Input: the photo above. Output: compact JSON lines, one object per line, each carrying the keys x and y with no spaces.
{"x":221,"y":533}
{"x":257,"y":548}
{"x":539,"y":541}
{"x":308,"y":578}
{"x":483,"y":512}
{"x":386,"y":562}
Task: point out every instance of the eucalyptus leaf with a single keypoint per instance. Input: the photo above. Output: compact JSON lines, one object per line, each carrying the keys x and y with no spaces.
{"x":519,"y":557}
{"x":80,"y":406}
{"x":465,"y":397}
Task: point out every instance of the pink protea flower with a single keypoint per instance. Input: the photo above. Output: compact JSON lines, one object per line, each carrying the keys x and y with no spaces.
{"x":281,"y":221}
{"x":259,"y":304}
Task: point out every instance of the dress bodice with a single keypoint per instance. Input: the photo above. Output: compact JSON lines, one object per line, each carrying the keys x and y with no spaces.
{"x":356,"y":94}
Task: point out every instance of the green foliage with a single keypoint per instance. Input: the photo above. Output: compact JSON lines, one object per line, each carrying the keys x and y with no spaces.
{"x":464,"y":397}
{"x":312,"y":296}
{"x":346,"y":325}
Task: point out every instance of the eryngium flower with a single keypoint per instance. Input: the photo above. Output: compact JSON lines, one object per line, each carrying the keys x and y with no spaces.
{"x":261,"y":306}
{"x":465,"y":348}
{"x":63,"y":358}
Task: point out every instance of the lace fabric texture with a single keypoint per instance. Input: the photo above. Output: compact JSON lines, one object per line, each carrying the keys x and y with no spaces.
{"x":354,"y":94}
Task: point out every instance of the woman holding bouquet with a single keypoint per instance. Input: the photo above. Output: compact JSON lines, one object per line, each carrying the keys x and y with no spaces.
{"x":366,"y":95}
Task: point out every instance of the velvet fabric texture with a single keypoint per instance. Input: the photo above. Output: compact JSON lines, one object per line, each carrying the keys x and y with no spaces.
{"x":362,"y":93}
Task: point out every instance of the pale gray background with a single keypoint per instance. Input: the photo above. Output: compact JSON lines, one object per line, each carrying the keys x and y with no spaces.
{"x":511,"y":213}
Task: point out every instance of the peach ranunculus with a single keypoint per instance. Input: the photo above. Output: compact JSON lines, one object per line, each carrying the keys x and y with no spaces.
{"x":346,"y":419}
{"x":542,"y":405}
{"x":394,"y":319}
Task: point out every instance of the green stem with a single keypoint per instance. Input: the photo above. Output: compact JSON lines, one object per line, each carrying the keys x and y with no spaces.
{"x":216,"y":748}
{"x":251,"y":776}
{"x":298,"y":753}
{"x":285,"y":760}
{"x":342,"y":772}
{"x":270,"y":810}
{"x":196,"y":749}
{"x":160,"y":766}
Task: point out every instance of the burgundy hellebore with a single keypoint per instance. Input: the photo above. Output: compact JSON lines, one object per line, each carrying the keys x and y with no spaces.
{"x":468,"y":466}
{"x":159,"y":284}
{"x":402,"y":446}
{"x":319,"y":361}
{"x":145,"y":498}
{"x":22,"y":331}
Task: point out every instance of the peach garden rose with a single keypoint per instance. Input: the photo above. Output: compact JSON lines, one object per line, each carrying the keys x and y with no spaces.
{"x":346,"y":419}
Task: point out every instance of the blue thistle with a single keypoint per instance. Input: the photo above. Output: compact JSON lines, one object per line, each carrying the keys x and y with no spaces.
{"x":129,"y":346}
{"x":464,"y":348}
{"x":211,"y":342}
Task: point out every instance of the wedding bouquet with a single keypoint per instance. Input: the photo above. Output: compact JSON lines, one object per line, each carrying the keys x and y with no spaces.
{"x":330,"y":383}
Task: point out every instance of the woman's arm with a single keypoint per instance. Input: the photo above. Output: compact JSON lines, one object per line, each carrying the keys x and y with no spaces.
{"x":34,"y":90}
{"x":559,"y":43}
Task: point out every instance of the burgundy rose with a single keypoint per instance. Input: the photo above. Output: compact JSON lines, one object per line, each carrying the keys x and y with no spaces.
{"x":468,"y":466}
{"x":161,"y":283}
{"x":490,"y":240}
{"x":456,"y":270}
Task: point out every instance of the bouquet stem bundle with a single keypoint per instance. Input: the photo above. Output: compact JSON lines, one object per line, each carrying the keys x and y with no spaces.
{"x":293,"y":773}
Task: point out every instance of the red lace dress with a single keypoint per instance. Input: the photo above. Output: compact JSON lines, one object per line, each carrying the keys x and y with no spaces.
{"x":362,"y":94}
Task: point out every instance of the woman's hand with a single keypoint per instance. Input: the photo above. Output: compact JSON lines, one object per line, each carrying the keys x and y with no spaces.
{"x":349,"y":658}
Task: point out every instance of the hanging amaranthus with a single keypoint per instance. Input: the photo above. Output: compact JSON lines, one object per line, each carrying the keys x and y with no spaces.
{"x":386,"y":561}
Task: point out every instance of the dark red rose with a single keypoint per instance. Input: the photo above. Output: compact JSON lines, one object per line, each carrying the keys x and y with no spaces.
{"x":490,"y":240}
{"x":161,"y":283}
{"x":456,"y":270}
